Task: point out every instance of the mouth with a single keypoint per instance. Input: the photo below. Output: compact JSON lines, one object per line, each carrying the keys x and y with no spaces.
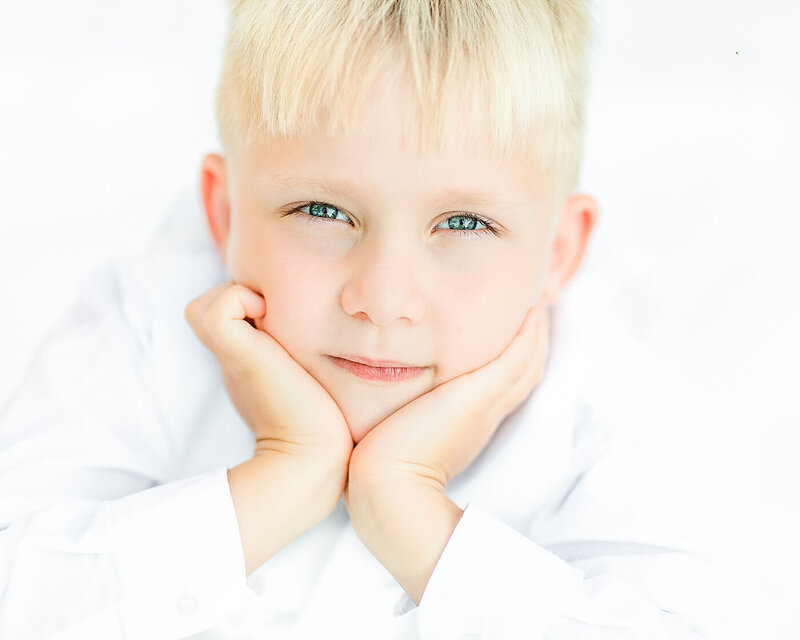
{"x":377,"y":370}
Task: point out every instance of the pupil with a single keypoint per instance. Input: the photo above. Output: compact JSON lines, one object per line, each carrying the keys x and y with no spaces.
{"x":463,"y":222}
{"x":319,"y":209}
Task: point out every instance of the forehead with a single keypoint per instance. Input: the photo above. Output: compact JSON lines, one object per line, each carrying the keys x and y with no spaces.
{"x":382,"y":148}
{"x":359,"y":170}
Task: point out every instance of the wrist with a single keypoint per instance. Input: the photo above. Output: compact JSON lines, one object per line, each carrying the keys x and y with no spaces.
{"x":311,"y":484}
{"x":328,"y":450}
{"x":406,"y":528}
{"x":277,"y":498}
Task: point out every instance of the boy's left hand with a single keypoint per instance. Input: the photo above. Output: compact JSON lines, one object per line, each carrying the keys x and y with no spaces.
{"x":399,"y":471}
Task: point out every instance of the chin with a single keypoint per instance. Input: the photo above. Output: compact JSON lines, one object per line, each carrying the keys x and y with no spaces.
{"x":359,"y":433}
{"x":361,"y":425}
{"x":363,"y":416}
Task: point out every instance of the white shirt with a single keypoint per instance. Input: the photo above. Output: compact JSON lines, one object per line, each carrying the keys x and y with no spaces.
{"x":585,"y":517}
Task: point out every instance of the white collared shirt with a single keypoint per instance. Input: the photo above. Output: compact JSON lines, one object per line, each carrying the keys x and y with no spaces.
{"x":590,"y":514}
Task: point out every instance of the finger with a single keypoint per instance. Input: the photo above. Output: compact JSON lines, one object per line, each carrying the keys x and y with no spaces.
{"x":479,"y":395}
{"x":219,"y":316}
{"x":516,"y":371}
{"x":465,"y":410}
{"x":492,"y":381}
{"x":517,"y":357}
{"x":198,"y":307}
{"x":498,"y":387}
{"x":225,"y":320}
{"x":534,"y":368}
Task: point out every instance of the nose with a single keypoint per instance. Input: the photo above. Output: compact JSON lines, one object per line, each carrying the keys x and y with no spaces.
{"x":384,"y":284}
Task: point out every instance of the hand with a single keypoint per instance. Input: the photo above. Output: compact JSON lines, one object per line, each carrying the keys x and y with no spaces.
{"x":399,"y":471}
{"x":434,"y":437}
{"x":303,"y":444}
{"x":288,"y":411}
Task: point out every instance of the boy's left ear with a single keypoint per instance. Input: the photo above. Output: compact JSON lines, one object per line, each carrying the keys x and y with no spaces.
{"x":214,"y":190}
{"x":578,"y":219}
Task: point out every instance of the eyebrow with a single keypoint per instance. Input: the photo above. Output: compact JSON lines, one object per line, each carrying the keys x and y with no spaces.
{"x":450,"y":196}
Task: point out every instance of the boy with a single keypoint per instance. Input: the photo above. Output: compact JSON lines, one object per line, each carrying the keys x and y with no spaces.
{"x":384,"y":364}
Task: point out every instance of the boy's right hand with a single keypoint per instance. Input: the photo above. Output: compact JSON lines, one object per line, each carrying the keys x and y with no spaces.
{"x":287,"y":409}
{"x":303,"y":444}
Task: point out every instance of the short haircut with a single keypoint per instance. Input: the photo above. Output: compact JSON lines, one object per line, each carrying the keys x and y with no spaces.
{"x":516,"y":68}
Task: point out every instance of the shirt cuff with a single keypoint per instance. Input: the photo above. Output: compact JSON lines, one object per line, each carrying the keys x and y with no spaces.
{"x":492,"y":582}
{"x":179,"y":557}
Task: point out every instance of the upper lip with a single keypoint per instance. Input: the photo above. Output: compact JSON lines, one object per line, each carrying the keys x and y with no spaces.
{"x":378,"y":363}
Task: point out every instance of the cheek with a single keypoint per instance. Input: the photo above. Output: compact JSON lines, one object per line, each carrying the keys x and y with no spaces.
{"x":477,"y":322}
{"x":295,"y":289}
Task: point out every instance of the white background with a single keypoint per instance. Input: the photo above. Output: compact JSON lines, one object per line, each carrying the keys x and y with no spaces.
{"x":693,"y":151}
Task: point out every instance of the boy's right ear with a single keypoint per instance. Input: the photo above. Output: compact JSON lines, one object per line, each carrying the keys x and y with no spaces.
{"x":214,"y":189}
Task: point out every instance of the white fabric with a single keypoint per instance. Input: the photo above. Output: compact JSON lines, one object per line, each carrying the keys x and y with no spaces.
{"x":586,"y":517}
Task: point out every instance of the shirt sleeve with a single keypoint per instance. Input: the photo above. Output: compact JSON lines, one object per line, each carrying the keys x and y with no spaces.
{"x":94,"y":539}
{"x":602,"y":563}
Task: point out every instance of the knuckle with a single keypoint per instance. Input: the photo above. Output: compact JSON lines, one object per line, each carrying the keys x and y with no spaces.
{"x":521,"y":362}
{"x":188,"y":312}
{"x":522,"y":366}
{"x":210,"y":323}
{"x":236,"y":291}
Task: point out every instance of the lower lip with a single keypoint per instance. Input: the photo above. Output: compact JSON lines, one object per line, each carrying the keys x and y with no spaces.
{"x":380,"y":374}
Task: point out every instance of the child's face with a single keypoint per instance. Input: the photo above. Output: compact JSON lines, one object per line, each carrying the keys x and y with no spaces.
{"x":386,"y":279}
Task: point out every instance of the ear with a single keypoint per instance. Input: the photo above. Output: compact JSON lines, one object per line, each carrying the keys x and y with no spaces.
{"x":214,"y":189}
{"x":578,"y":219}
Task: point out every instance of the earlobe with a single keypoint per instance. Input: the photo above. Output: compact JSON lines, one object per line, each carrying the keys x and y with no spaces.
{"x":578,"y":219}
{"x":214,"y":190}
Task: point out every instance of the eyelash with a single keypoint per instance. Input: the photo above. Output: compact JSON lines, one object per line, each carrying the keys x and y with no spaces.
{"x":489,"y":230}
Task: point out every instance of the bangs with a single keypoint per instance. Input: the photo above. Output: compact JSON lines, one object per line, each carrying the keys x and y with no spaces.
{"x":513,"y":72}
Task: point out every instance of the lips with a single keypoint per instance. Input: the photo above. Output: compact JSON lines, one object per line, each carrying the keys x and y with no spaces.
{"x":376,"y":363}
{"x":377,"y":370}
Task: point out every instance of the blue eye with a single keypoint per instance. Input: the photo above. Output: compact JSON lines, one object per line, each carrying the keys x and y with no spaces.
{"x":468,"y":225}
{"x":317,"y":210}
{"x":465,"y":225}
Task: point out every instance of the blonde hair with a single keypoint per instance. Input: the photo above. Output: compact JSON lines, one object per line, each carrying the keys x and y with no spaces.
{"x":516,"y":68}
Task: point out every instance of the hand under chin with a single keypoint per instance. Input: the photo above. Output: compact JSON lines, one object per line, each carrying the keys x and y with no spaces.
{"x":364,"y":411}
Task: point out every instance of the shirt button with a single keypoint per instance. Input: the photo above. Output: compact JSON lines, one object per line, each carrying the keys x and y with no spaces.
{"x":187,"y":605}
